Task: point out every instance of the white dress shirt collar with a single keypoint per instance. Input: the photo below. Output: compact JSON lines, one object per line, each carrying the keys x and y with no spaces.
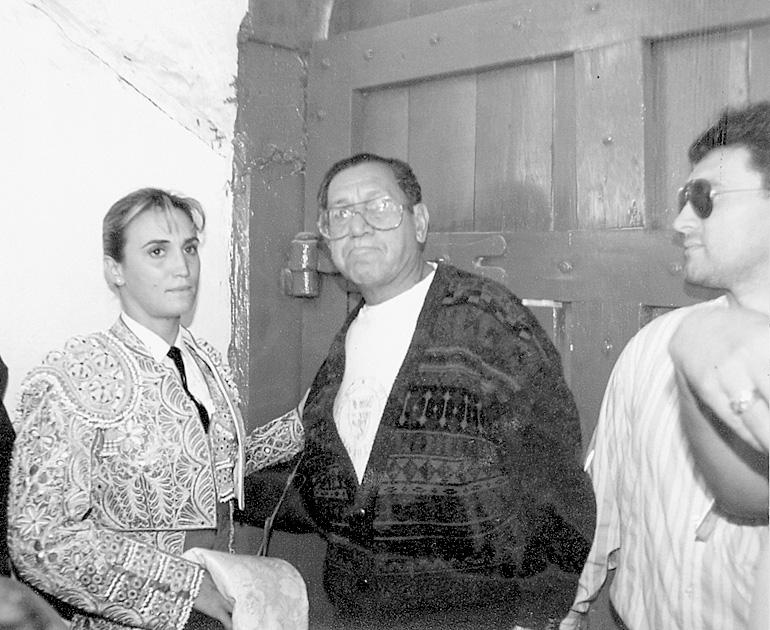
{"x":157,"y":346}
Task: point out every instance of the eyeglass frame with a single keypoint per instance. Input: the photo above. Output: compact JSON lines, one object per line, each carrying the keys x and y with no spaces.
{"x":684,"y":196}
{"x":401,"y":207}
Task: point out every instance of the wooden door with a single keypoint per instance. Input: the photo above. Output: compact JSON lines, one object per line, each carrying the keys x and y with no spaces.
{"x":549,"y":138}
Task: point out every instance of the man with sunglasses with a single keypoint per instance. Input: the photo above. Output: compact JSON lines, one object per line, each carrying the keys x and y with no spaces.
{"x":685,"y":555}
{"x":440,"y":439}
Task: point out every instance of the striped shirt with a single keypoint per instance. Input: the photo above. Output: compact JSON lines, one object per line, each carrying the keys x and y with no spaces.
{"x":680,"y":563}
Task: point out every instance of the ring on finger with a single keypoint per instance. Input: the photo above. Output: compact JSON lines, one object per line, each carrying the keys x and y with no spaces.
{"x":744,"y":401}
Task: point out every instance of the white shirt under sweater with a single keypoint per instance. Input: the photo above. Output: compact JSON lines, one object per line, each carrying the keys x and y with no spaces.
{"x":680,"y":564}
{"x":375,"y":346}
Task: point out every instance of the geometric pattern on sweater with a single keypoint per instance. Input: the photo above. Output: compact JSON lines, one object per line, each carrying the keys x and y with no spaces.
{"x":435,"y":472}
{"x":445,"y":409}
{"x":473,"y":485}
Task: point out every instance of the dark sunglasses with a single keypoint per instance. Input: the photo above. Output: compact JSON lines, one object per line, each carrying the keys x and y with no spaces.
{"x":699,"y":194}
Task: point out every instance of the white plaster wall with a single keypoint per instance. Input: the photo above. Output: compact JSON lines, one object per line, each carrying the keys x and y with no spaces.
{"x":98,"y":98}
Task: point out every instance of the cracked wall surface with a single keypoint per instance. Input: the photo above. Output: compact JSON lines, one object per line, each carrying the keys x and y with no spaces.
{"x":101,"y":98}
{"x":180,"y":56}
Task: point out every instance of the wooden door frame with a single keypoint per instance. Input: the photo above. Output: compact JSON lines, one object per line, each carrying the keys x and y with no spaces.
{"x":268,"y":189}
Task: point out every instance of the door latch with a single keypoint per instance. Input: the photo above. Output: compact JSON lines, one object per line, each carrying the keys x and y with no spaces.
{"x":300,"y":276}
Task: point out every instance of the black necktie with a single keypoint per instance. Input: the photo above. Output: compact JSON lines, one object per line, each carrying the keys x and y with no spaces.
{"x":176,"y":356}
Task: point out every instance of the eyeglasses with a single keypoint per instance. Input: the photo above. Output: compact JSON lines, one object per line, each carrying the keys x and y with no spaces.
{"x":381,"y":214}
{"x":699,"y":194}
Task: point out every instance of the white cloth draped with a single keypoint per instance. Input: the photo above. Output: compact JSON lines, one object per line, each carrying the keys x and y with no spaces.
{"x":269,"y":593}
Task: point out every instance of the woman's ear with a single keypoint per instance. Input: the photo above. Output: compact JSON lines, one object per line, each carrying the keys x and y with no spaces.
{"x":113,"y":272}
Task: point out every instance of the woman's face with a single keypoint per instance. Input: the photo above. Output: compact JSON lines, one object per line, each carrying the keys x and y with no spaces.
{"x":157,"y":280}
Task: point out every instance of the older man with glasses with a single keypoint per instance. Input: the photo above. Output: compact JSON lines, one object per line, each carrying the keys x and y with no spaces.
{"x":440,"y":439}
{"x":685,"y":551}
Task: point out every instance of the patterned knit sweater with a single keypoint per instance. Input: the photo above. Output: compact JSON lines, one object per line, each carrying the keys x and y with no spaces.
{"x":473,"y":494}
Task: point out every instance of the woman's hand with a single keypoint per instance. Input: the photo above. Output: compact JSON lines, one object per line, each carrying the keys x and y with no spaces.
{"x":212,"y":603}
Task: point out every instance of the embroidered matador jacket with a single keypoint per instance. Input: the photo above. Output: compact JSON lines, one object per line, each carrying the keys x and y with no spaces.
{"x":474,"y":494}
{"x":111,"y":468}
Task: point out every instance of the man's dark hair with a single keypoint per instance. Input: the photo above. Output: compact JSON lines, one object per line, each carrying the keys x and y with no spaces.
{"x":748,"y":127}
{"x":403,"y":173}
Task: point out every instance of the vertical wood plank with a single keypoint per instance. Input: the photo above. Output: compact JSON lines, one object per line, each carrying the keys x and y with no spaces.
{"x":564,"y":154}
{"x":738,"y":70}
{"x":329,"y":114}
{"x":609,"y":97}
{"x":381,"y":124}
{"x":514,"y":122}
{"x":597,"y":333}
{"x":759,"y":54}
{"x":442,"y":139}
{"x":692,"y":82}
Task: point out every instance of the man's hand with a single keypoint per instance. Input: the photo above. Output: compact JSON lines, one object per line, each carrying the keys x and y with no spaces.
{"x":212,"y":603}
{"x":724,"y":356}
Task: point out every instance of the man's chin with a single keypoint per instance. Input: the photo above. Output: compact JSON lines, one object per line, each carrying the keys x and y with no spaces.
{"x":363,"y":272}
{"x":699,"y":279}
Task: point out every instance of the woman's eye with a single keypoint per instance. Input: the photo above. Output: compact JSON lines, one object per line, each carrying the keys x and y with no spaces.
{"x":155,"y":252}
{"x":191,"y":249}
